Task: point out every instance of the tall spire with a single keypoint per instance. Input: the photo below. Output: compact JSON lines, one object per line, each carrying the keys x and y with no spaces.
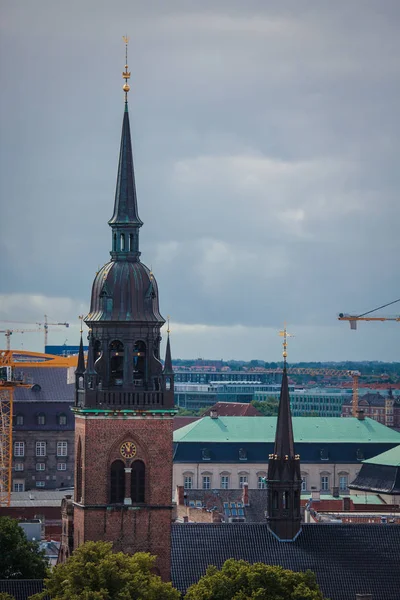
{"x":125,"y":222}
{"x":284,"y":476}
{"x":168,"y":370}
{"x":284,"y":441}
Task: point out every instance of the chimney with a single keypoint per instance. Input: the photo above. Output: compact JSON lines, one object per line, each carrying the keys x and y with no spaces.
{"x":335,"y":492}
{"x":186,"y":519}
{"x":360,"y":414}
{"x":180,"y":494}
{"x":346,"y":504}
{"x":245,"y":494}
{"x":214,"y":413}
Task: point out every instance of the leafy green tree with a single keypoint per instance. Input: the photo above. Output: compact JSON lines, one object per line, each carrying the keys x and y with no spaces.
{"x":268,"y":407}
{"x":238,"y":580}
{"x":20,"y":559}
{"x":5,"y":596}
{"x":95,"y":572}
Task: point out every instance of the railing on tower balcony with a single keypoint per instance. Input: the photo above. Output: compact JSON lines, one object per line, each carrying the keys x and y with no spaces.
{"x":125,"y":399}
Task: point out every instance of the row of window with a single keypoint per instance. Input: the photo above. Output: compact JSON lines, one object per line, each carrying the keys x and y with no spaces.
{"x":19,"y":466}
{"x":40,"y":419}
{"x":323,"y":454}
{"x":224,"y":482}
{"x":40,"y":449}
{"x":325,"y":481}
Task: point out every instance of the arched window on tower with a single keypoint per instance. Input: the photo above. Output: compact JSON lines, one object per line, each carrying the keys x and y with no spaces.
{"x":285,"y":499}
{"x":78,"y":475}
{"x":130,"y":242}
{"x":117,"y":482}
{"x":138,"y":480}
{"x":116,"y":362}
{"x":122,"y":242}
{"x":139,"y":363}
{"x":275,"y":500}
{"x":96,"y":350}
{"x":115,"y":242}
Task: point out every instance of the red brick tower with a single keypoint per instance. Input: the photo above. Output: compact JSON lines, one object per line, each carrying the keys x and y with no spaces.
{"x":124,"y":397}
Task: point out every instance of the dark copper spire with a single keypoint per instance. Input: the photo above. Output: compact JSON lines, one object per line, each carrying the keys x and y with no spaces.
{"x":168,"y":370}
{"x":80,"y":369}
{"x":125,"y":222}
{"x":284,"y":476}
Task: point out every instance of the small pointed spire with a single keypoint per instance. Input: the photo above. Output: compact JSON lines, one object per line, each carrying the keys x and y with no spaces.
{"x":168,"y":360}
{"x":90,"y":370}
{"x":80,"y":369}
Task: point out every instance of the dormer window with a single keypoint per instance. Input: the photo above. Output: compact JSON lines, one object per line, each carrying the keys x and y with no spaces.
{"x":19,"y":419}
{"x":206,"y":454}
{"x":62,"y":419}
{"x":242,"y":454}
{"x":324,"y":454}
{"x":360,"y":454}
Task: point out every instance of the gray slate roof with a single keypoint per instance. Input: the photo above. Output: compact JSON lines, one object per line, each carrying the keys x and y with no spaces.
{"x":347,"y":559}
{"x":21,"y":589}
{"x":53,"y":385}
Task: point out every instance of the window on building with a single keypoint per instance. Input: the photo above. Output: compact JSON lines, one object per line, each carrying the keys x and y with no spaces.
{"x":343,"y":482}
{"x":40,"y":466}
{"x":40,"y":448}
{"x":304,"y":483}
{"x":19,"y":419}
{"x":40,"y":484}
{"x":116,"y":362}
{"x":61,"y":466}
{"x":360,"y":454}
{"x":262,"y":482}
{"x":242,"y":454}
{"x":19,"y":448}
{"x":206,"y":454}
{"x":117,"y":482}
{"x":62,"y":419}
{"x":19,"y":466}
{"x":187,"y":482}
{"x":19,"y":486}
{"x":206,"y":482}
{"x":62,"y":448}
{"x":224,"y":482}
{"x":138,"y":483}
{"x":41,"y":419}
{"x":324,"y":454}
{"x":324,"y":483}
{"x":242,"y":480}
{"x":285,"y":500}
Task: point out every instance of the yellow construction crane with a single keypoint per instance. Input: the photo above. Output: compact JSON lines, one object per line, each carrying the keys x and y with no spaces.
{"x":8,"y":333}
{"x":7,"y":385}
{"x":10,"y":378}
{"x":46,"y":325}
{"x":352,"y":319}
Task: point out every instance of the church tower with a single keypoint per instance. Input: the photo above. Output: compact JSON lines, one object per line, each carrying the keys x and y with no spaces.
{"x":124,"y":402}
{"x":284,"y":476}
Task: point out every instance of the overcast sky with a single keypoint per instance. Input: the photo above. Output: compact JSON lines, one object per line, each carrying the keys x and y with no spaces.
{"x":266,"y":147}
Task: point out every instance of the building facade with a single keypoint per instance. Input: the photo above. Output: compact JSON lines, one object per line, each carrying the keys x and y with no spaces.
{"x":124,"y":403}
{"x":382,"y":408}
{"x":43,"y":431}
{"x":228,"y":452}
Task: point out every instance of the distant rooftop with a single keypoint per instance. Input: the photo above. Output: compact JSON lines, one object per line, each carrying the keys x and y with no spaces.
{"x":306,"y":429}
{"x":233,"y":409}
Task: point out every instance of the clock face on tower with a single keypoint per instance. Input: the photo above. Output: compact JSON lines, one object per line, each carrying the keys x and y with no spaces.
{"x":128,"y":449}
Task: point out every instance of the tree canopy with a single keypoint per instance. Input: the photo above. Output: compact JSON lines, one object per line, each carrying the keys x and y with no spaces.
{"x":268,"y":407}
{"x":95,"y":572}
{"x":20,"y":559}
{"x":238,"y":580}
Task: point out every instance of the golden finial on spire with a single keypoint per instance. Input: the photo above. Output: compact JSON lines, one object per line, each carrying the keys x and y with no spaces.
{"x":81,"y":320}
{"x":283,"y":333}
{"x":126,"y":74}
{"x":168,"y":329}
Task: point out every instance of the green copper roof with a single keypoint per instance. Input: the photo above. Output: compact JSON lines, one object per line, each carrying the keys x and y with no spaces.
{"x":391,"y":458}
{"x":357,"y":498}
{"x":306,"y":429}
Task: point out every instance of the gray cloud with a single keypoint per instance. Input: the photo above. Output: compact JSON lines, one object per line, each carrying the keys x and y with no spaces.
{"x":266,"y":156}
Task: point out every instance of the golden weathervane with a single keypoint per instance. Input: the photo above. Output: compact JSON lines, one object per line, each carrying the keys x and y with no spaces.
{"x":126,"y":74}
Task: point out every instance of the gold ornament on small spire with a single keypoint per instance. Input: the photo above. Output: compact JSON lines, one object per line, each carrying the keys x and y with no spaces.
{"x":126,"y":74}
{"x":283,"y":333}
{"x":81,"y":320}
{"x":168,"y":329}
